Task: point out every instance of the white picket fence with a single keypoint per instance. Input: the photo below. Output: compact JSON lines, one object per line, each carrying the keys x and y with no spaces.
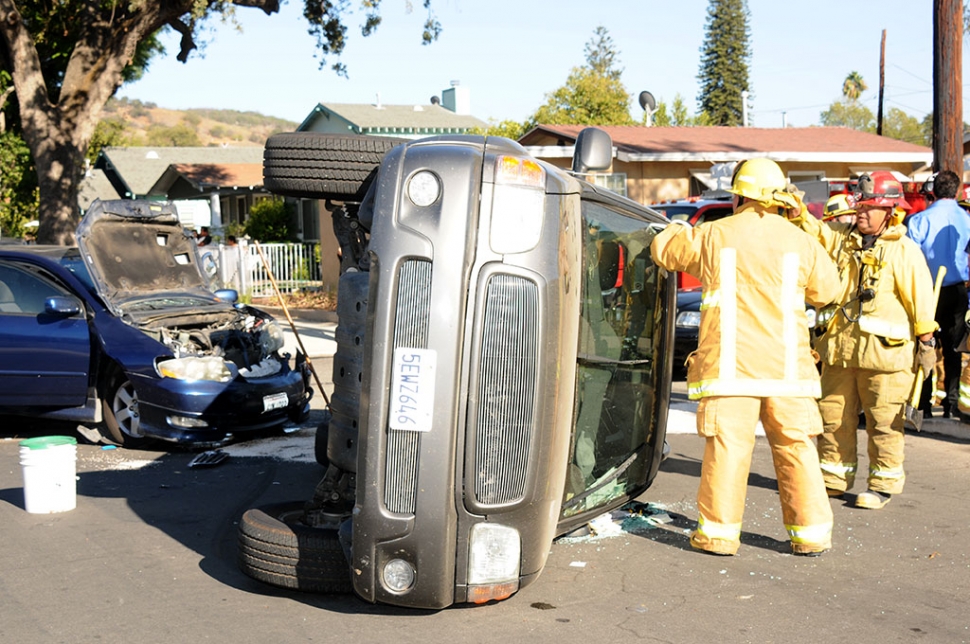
{"x":294,"y":267}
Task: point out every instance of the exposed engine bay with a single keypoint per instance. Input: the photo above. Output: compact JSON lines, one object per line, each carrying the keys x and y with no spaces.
{"x":240,"y":335}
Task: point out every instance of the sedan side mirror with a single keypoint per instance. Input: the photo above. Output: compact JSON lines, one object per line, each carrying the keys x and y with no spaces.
{"x":228,"y":295}
{"x":62,"y":306}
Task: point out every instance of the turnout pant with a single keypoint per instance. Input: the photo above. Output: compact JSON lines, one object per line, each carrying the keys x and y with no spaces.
{"x":728,"y":423}
{"x":882,"y":396}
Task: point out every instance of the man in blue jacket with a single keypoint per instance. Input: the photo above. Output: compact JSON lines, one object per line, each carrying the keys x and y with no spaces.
{"x":943,"y":232}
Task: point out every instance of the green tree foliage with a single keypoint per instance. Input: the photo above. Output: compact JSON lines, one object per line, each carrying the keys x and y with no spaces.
{"x":508,"y":128}
{"x":270,"y":221}
{"x":725,"y":55}
{"x":853,"y":86}
{"x":18,"y":185}
{"x":109,"y":132}
{"x":677,"y":115}
{"x":897,"y":124}
{"x":601,"y":55}
{"x":176,"y":136}
{"x":593,"y":94}
{"x":849,"y":114}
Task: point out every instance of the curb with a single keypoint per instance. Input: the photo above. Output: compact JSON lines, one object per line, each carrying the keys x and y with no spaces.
{"x":945,"y":427}
{"x":307,"y":315}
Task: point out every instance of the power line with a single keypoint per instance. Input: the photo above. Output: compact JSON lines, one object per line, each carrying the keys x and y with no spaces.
{"x":919,"y":78}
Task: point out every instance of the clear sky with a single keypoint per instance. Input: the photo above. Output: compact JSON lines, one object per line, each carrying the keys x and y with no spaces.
{"x":511,"y":54}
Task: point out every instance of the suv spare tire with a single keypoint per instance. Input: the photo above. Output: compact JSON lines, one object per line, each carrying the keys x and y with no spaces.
{"x":314,"y":165}
{"x":277,"y":548}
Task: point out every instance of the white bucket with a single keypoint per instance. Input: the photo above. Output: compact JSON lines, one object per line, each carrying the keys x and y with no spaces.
{"x":49,"y":465}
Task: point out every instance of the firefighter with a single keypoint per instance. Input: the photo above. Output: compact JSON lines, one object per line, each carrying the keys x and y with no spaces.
{"x":753,"y":360}
{"x":883,"y":319}
{"x":838,"y":209}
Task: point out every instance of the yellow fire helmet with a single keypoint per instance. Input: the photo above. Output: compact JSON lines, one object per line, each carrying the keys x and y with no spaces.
{"x":838,"y":205}
{"x":758,"y":179}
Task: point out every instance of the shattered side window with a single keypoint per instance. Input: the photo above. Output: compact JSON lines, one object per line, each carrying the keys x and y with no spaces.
{"x":620,"y":333}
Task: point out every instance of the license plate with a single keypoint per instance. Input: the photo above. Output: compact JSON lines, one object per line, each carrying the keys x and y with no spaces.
{"x":275,"y":401}
{"x":412,"y":389}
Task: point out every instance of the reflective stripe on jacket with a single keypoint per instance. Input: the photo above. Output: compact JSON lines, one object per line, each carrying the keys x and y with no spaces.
{"x":757,"y":272}
{"x":878,"y":333}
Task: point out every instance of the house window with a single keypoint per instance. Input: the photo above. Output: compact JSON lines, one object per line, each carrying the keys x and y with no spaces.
{"x":615,"y":182}
{"x":806,"y":175}
{"x":242,"y":209}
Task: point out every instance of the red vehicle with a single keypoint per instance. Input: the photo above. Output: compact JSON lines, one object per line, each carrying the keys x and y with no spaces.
{"x":694,"y":210}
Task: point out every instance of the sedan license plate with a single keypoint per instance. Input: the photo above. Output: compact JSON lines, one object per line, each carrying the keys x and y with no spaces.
{"x":412,"y":389}
{"x":275,"y":401}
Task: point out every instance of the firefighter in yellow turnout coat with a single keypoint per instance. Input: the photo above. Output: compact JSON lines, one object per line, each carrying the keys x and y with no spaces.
{"x":753,"y":359}
{"x":869,"y":339}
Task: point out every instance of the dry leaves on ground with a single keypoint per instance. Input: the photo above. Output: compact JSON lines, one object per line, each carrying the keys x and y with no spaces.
{"x":323,"y":300}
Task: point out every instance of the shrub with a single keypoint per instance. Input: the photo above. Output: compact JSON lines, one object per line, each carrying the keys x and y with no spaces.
{"x":269,"y":221}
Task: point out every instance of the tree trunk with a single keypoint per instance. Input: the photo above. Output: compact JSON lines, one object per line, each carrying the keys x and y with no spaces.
{"x":58,"y":135}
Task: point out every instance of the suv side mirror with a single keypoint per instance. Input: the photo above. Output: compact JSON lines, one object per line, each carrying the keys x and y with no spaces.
{"x":593,"y":151}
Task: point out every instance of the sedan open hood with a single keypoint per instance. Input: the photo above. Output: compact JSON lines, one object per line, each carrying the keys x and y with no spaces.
{"x":137,"y":250}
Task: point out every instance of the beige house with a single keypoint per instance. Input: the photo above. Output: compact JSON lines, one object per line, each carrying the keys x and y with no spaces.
{"x":652,"y":164}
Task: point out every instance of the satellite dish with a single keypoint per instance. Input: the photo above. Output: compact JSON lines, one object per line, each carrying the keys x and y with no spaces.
{"x":647,"y":101}
{"x":435,"y":100}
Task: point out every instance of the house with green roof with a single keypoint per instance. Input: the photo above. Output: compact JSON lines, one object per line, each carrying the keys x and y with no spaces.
{"x":449,"y":115}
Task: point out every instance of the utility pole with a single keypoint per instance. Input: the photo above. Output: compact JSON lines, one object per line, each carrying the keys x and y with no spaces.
{"x":882,"y":82}
{"x":948,"y":85}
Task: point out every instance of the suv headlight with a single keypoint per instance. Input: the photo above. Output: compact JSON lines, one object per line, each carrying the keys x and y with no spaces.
{"x":494,"y":552}
{"x":518,"y":205}
{"x":195,"y":368}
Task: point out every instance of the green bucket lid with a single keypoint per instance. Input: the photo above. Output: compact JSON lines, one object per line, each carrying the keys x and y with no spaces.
{"x":43,"y":442}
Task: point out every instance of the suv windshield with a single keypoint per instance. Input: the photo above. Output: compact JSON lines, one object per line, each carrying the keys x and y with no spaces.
{"x":616,"y":380}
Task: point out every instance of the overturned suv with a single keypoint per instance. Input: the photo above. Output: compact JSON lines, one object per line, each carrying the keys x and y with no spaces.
{"x":502,"y":372}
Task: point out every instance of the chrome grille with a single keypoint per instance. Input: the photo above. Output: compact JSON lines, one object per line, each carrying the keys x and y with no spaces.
{"x":410,"y":330}
{"x":507,"y":390}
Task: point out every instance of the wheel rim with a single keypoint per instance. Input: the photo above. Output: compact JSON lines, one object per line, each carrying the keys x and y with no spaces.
{"x":125,"y":409}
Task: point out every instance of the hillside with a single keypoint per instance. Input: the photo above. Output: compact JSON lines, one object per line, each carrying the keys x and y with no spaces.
{"x":132,"y":123}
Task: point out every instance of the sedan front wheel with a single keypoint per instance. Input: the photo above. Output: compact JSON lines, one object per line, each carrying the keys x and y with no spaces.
{"x":119,"y":405}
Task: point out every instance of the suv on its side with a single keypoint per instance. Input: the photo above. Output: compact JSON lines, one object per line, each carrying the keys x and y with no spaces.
{"x":502,"y":373}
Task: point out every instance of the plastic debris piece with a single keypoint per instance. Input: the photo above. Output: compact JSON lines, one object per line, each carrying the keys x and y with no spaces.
{"x":109,"y":447}
{"x":577,"y":564}
{"x":209,"y":458}
{"x":603,"y":525}
{"x":660,"y":518}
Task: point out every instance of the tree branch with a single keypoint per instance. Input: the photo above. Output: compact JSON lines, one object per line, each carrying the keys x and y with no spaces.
{"x":187,"y":43}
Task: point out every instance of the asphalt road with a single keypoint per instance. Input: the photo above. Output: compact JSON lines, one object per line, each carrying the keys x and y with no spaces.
{"x":149,"y":556}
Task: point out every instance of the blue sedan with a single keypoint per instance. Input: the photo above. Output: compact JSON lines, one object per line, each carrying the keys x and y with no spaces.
{"x":123,"y":332}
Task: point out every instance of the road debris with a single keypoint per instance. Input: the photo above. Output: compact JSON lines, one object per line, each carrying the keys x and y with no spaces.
{"x":209,"y":459}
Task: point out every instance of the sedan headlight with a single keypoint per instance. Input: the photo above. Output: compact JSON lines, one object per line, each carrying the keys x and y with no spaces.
{"x":689,"y":318}
{"x":195,"y":368}
{"x":271,"y":337}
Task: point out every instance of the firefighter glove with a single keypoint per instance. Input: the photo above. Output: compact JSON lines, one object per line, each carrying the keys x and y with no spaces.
{"x":926,"y":357}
